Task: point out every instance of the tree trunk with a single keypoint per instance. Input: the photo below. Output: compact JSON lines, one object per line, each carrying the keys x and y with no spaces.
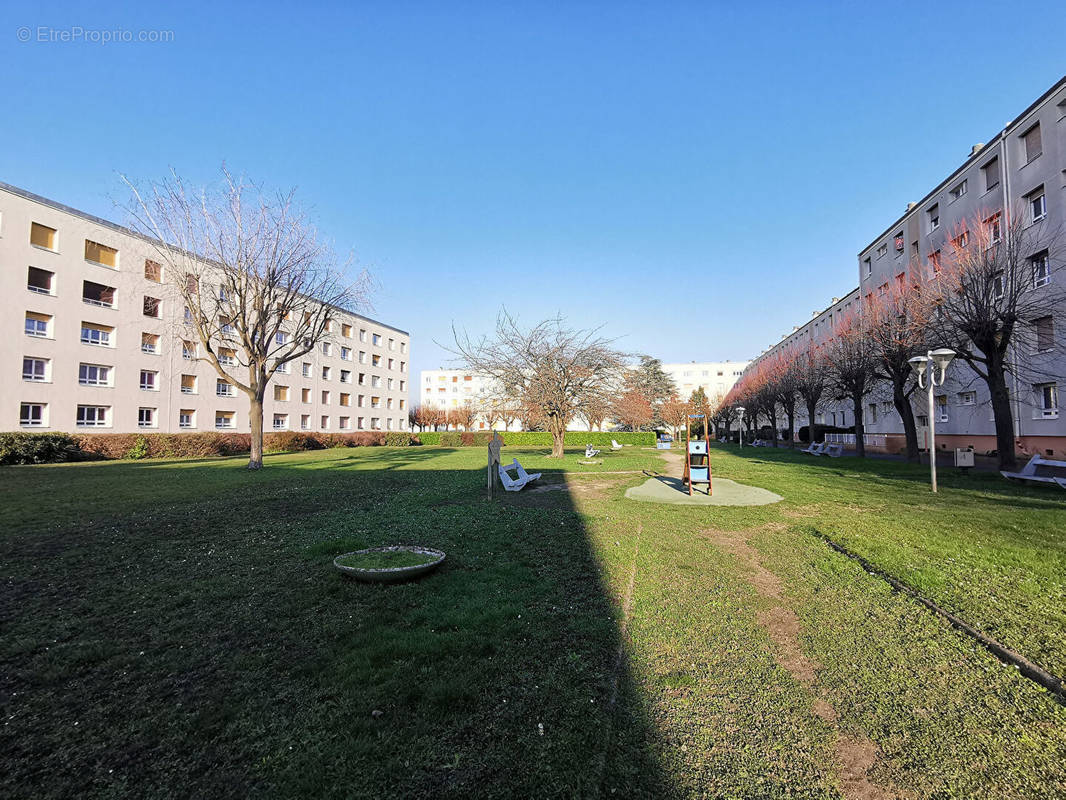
{"x":255,"y":420}
{"x":906,"y":414}
{"x":558,"y":429}
{"x":860,"y":429}
{"x":1004,"y":416}
{"x":811,"y":406}
{"x":790,"y":412}
{"x":773,"y":425}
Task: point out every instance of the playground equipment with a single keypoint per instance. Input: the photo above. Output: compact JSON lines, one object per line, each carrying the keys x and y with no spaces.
{"x":697,"y":456}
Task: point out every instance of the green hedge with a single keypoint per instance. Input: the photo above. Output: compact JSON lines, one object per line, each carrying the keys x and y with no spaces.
{"x":37,"y":448}
{"x":535,"y":439}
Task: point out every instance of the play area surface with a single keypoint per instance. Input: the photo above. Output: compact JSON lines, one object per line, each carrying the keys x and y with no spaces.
{"x":664,"y":489}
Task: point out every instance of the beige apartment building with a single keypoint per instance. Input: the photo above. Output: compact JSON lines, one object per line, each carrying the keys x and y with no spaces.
{"x":97,"y":343}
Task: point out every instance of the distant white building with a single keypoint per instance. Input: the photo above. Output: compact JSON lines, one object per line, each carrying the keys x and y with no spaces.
{"x":449,"y":389}
{"x":716,"y":377}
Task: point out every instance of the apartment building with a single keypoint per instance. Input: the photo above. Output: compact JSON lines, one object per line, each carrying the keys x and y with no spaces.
{"x":451,"y":388}
{"x":1020,"y":170}
{"x":98,"y":343}
{"x":716,"y":378}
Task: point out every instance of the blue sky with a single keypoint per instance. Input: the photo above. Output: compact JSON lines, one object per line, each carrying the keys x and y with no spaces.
{"x":698,"y":177}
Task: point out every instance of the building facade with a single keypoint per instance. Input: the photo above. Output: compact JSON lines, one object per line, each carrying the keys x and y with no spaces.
{"x":98,"y":343}
{"x":447,"y":389}
{"x":1019,"y":171}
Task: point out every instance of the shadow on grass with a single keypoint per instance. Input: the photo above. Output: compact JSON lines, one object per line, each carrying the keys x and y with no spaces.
{"x":206,"y":647}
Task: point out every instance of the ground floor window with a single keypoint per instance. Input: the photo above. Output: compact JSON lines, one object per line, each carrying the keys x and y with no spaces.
{"x":1047,"y":400}
{"x":186,"y":418}
{"x":146,"y":417}
{"x":224,"y":419}
{"x":32,"y":415}
{"x":92,"y":416}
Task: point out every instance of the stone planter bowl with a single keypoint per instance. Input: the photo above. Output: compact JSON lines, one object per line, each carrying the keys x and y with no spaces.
{"x":391,"y":573}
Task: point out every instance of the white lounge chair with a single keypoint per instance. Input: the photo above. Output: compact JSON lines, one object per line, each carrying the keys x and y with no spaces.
{"x":815,"y":449}
{"x":615,"y":445}
{"x":523,"y":475}
{"x":1041,"y":470}
{"x":833,"y":450}
{"x":590,"y":451}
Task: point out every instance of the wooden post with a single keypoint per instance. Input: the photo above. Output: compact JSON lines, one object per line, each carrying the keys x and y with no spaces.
{"x":494,"y":462}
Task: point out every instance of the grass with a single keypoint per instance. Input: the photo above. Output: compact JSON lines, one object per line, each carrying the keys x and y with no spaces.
{"x":177,"y":629}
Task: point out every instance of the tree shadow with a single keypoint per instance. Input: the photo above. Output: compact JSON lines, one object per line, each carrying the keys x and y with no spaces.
{"x":205,"y":642}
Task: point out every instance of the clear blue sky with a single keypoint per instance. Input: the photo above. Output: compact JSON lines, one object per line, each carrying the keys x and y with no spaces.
{"x":595,"y":159}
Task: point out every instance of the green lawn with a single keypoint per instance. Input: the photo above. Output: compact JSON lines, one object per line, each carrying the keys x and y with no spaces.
{"x":176,"y":629}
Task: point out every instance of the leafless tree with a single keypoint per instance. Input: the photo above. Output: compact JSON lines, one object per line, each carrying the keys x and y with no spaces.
{"x":550,"y":367}
{"x":597,"y":409}
{"x":994,"y":293}
{"x":811,"y":381}
{"x":850,"y":359}
{"x":258,"y":283}
{"x":463,"y":416}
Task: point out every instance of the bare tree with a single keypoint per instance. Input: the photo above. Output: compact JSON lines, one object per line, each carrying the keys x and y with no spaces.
{"x":993,"y":292}
{"x":633,"y":410}
{"x":811,"y":381}
{"x":462,"y":416}
{"x":675,"y":412}
{"x":550,"y":367}
{"x":597,"y":409}
{"x":255,"y":277}
{"x":849,"y":356}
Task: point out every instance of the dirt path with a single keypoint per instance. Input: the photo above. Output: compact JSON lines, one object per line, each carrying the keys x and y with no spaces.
{"x":855,"y":753}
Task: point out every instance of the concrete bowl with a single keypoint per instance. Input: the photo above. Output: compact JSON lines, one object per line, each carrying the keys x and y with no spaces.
{"x":387,"y":574}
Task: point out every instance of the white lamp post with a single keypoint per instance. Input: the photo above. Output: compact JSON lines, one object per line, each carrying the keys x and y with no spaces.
{"x":740,"y":422}
{"x":933,"y":360}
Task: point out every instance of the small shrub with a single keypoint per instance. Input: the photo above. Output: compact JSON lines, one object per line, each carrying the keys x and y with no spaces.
{"x":139,"y":449}
{"x":430,"y":438}
{"x":37,"y":448}
{"x":289,"y":441}
{"x":451,"y":439}
{"x":399,"y":439}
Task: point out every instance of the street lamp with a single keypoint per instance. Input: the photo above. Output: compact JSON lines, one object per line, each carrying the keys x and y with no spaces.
{"x":740,"y":422}
{"x":933,"y":360}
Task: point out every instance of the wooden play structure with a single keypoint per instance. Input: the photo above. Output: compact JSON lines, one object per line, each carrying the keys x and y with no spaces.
{"x":697,"y":456}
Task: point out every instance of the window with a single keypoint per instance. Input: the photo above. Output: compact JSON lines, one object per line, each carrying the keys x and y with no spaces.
{"x":882,"y":250}
{"x":375,"y":361}
{"x":32,"y":415}
{"x":392,"y":365}
{"x":227,"y":356}
{"x":375,"y":402}
{"x":305,"y":422}
{"x":1045,"y":334}
{"x":188,"y":384}
{"x":149,"y":380}
{"x":362,"y":335}
{"x":38,"y":324}
{"x":327,"y":349}
{"x":392,"y":344}
{"x":403,"y":386}
{"x":94,"y":375}
{"x":993,"y":228}
{"x":306,"y":369}
{"x":101,"y":254}
{"x":43,"y":236}
{"x":224,"y":419}
{"x":281,"y":422}
{"x":189,"y":350}
{"x":362,"y":357}
{"x":152,"y":271}
{"x":941,"y":405}
{"x":151,"y":306}
{"x":39,"y":280}
{"x":97,"y":294}
{"x":145,"y":417}
{"x":225,"y":325}
{"x":375,"y":381}
{"x":1031,"y":143}
{"x":187,"y":315}
{"x":325,"y":373}
{"x":403,"y":366}
{"x":968,"y":398}
{"x":376,"y":339}
{"x":92,"y":416}
{"x":342,"y":423}
{"x":186,"y":418}
{"x":346,"y":332}
{"x":324,"y":422}
{"x":1035,"y":201}
{"x":960,"y":241}
{"x":1041,"y":269}
{"x":403,"y":347}
{"x":346,"y":376}
{"x":934,"y":261}
{"x":150,"y":343}
{"x":281,"y":393}
{"x":997,"y":285}
{"x":362,"y":379}
{"x":388,"y":403}
{"x":346,"y":353}
{"x":991,"y":173}
{"x":390,"y":384}
{"x":958,"y":191}
{"x":325,"y":397}
{"x":281,"y":337}
{"x":35,"y":369}
{"x":388,"y":423}
{"x":328,"y":326}
{"x":361,"y":422}
{"x":375,"y":423}
{"x":99,"y":335}
{"x":345,"y":399}
{"x":361,"y":401}
{"x":933,"y":215}
{"x":224,"y":388}
{"x":403,"y":404}
{"x":1047,"y":400}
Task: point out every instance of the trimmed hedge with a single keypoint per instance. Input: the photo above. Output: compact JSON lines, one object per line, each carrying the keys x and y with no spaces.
{"x":535,"y":438}
{"x":37,"y":448}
